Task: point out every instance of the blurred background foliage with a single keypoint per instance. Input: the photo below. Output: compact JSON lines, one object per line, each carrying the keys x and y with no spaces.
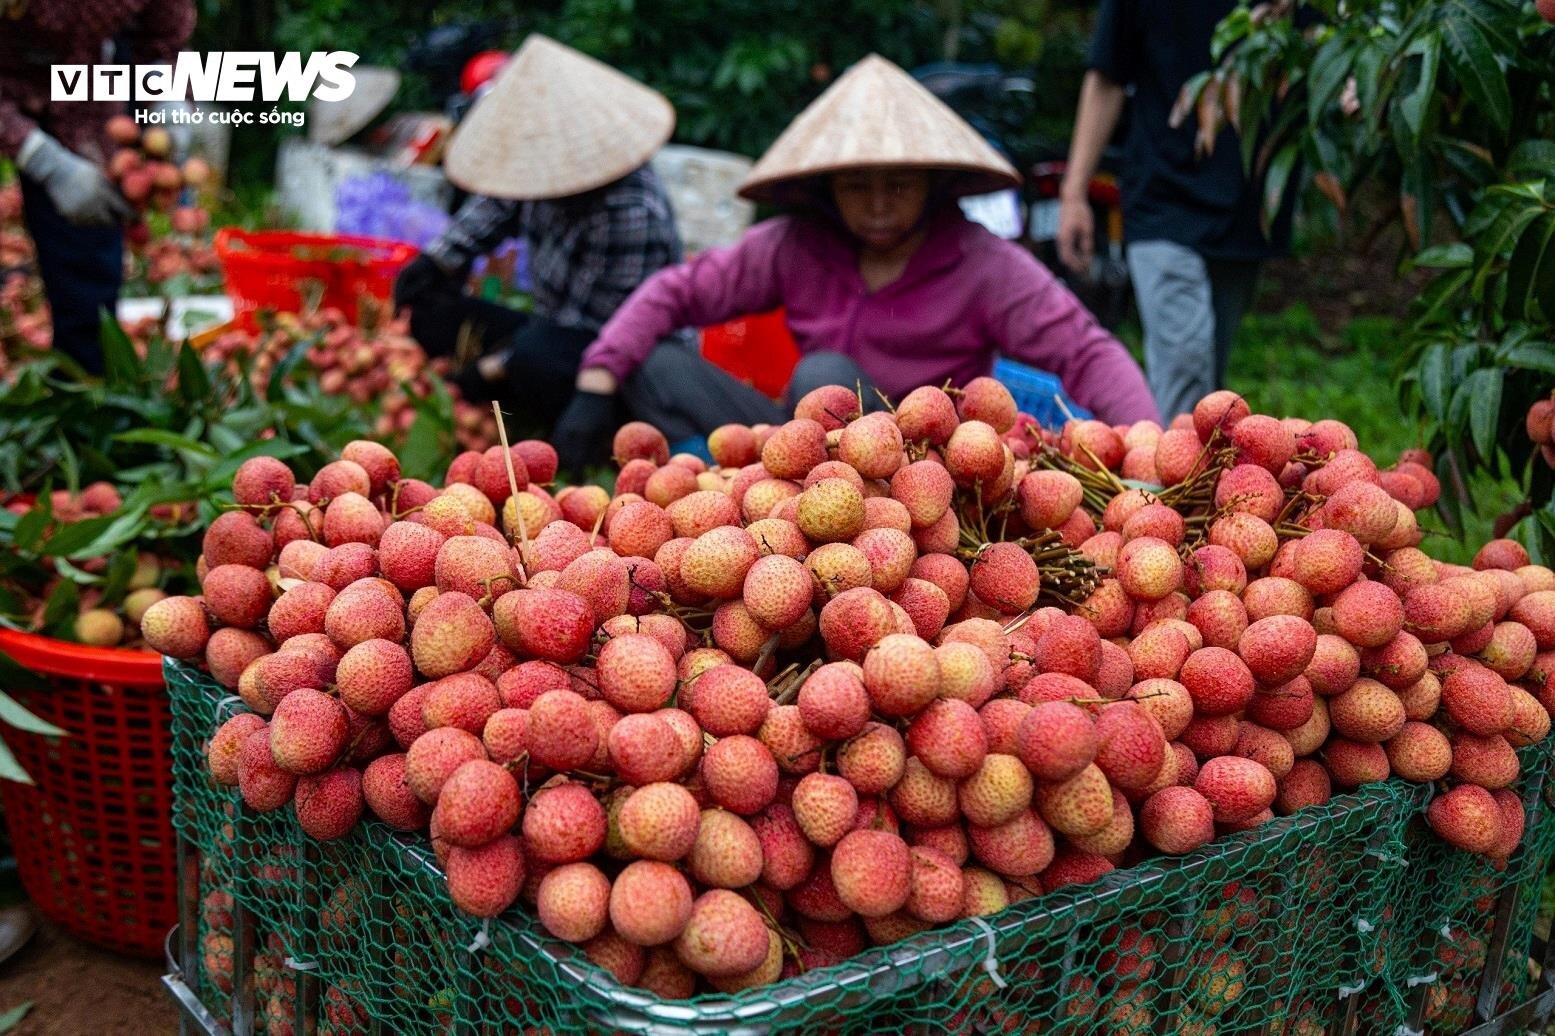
{"x":736,"y":70}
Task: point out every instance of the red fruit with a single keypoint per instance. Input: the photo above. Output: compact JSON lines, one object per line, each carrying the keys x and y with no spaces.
{"x":1466,"y":817}
{"x":307,"y":731}
{"x":1130,"y":746}
{"x":554,"y":625}
{"x":263,"y":785}
{"x":639,"y":440}
{"x":563,"y":823}
{"x":562,"y":732}
{"x":948,"y":737}
{"x":1005,"y":576}
{"x":1278,"y":648}
{"x":650,"y":903}
{"x":927,"y":414}
{"x":901,"y":672}
{"x":872,"y":871}
{"x":1219,"y":681}
{"x":723,"y":935}
{"x":636,"y":673}
{"x":1177,"y":820}
{"x":451,"y":634}
{"x":226,"y":747}
{"x":1237,"y":789}
{"x":485,"y":881}
{"x":1219,"y":411}
{"x":237,"y":595}
{"x":740,"y":774}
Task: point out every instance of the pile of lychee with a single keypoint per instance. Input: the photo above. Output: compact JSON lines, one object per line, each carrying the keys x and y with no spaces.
{"x":865,"y":675}
{"x":109,"y":612}
{"x":380,"y":365}
{"x":143,"y":169}
{"x":25,"y":323}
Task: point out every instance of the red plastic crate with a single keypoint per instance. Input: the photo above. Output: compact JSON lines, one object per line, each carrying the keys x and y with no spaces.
{"x":756,"y":349}
{"x":263,"y":270}
{"x":93,"y":837}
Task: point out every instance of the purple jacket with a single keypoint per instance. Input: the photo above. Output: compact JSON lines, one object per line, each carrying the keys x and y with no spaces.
{"x":965,"y":296}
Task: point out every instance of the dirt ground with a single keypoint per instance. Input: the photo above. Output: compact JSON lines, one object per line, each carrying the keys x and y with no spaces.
{"x":78,"y":989}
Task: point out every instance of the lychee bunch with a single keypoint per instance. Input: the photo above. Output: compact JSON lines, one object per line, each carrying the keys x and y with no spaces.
{"x":865,"y":674}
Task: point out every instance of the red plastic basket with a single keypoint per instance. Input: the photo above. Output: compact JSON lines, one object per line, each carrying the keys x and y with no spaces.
{"x":93,"y":837}
{"x":264,"y":269}
{"x":756,"y":349}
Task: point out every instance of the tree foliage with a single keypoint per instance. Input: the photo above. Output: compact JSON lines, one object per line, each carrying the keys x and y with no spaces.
{"x":1447,"y":106}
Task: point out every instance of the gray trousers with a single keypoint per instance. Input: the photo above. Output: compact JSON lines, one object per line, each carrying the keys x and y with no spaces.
{"x":1190,"y":307}
{"x":682,"y":395}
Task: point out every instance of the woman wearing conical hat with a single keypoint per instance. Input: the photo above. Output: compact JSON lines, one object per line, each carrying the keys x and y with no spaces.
{"x":882,"y":278}
{"x":556,"y":153}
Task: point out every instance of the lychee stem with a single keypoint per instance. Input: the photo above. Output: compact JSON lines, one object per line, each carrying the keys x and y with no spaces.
{"x":518,"y":512}
{"x":765,"y":655}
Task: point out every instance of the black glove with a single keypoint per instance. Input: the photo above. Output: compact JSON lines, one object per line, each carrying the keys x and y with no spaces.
{"x":421,"y":281}
{"x":583,"y":432}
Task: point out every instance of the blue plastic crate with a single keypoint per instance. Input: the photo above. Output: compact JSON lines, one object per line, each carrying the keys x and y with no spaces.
{"x":1037,"y":393}
{"x":696,"y":446}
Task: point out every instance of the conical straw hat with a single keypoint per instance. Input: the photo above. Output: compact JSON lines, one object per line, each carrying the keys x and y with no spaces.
{"x":331,"y":122}
{"x":876,"y":115}
{"x":556,"y":122}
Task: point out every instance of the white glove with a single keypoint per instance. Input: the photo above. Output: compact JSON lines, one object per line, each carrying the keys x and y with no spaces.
{"x":78,"y":188}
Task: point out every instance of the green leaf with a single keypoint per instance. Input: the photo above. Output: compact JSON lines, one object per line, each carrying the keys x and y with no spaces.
{"x":121,"y":367}
{"x":1454,"y":256}
{"x":194,"y":382}
{"x":1473,"y":62}
{"x":1531,"y":159}
{"x":1441,"y":297}
{"x":1450,"y":504}
{"x":1533,"y":261}
{"x":1499,"y":241}
{"x":1415,"y":187}
{"x":283,"y":370}
{"x":69,"y":539}
{"x":10,"y":769}
{"x":30,"y":528}
{"x":14,"y":714}
{"x":1413,"y":105}
{"x":1330,"y":68}
{"x":1534,"y":356}
{"x":1484,"y":387}
{"x":61,"y":607}
{"x":121,"y":569}
{"x":422,"y":456}
{"x":74,"y":574}
{"x":1435,"y":379}
{"x":1497,"y":19}
{"x":1274,"y":184}
{"x":172,"y":440}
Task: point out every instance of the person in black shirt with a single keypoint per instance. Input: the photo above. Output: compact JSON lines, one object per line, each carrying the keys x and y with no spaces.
{"x":1191,"y":220}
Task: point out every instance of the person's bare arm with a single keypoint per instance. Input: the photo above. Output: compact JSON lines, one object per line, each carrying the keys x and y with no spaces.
{"x":1101,"y":105}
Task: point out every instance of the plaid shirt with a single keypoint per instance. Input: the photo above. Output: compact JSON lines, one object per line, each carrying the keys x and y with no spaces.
{"x":587,"y":253}
{"x":37,"y":33}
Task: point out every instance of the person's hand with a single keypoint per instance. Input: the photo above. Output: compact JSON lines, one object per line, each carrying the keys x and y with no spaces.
{"x":78,"y":188}
{"x":1076,"y":233}
{"x":583,"y":432}
{"x":420,"y":280}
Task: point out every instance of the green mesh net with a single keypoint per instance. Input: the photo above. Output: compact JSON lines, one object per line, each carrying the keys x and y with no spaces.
{"x":1349,"y":913}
